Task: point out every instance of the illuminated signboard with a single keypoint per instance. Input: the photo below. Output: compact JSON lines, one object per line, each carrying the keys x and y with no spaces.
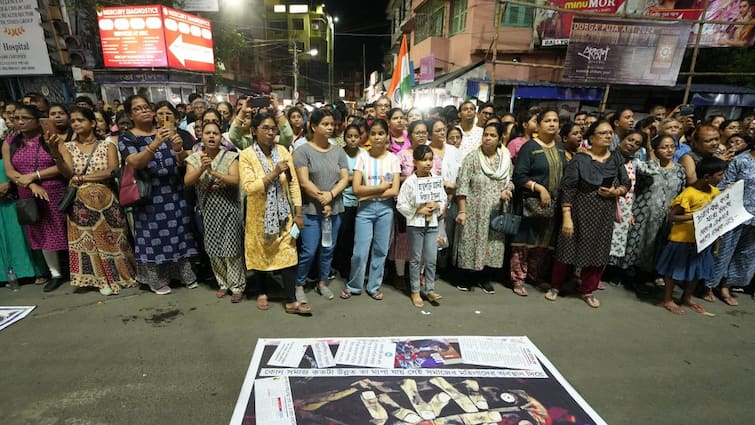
{"x":155,"y":36}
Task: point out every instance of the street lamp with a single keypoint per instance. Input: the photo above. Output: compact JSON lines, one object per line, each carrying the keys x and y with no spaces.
{"x":332,"y":20}
{"x":311,"y":52}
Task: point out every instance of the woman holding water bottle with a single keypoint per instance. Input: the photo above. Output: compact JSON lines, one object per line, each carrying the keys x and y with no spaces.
{"x":323,"y":172}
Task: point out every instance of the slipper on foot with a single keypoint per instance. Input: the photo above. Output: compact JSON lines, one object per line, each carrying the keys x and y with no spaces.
{"x":325,"y":292}
{"x":262,"y":302}
{"x":730,"y":301}
{"x":673,"y":308}
{"x":298,"y":308}
{"x":378,"y":296}
{"x":520,"y":290}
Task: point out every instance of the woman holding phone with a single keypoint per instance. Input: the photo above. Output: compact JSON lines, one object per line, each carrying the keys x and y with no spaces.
{"x":99,"y":251}
{"x":163,"y":239}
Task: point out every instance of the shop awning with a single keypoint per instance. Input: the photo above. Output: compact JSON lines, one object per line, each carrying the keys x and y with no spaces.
{"x":449,"y":77}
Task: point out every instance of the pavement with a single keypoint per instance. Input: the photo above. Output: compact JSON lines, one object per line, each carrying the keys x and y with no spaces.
{"x":138,"y":358}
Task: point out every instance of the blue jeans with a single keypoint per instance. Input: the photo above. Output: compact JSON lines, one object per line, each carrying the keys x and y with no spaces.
{"x":311,"y":235}
{"x":423,"y":248}
{"x":372,"y":228}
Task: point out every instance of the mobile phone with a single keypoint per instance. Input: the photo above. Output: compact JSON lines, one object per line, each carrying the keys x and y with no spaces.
{"x":608,"y":182}
{"x":686,"y":110}
{"x":294,"y":231}
{"x":259,"y":102}
{"x":169,"y":121}
{"x":48,"y":125}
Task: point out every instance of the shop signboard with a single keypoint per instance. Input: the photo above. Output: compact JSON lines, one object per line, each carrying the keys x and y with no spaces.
{"x":552,"y":27}
{"x":625,"y":52}
{"x":155,"y":37}
{"x":427,"y":69}
{"x":200,"y":5}
{"x":21,"y":40}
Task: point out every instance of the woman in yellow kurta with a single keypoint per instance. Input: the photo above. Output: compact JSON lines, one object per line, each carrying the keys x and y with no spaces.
{"x":273,"y":213}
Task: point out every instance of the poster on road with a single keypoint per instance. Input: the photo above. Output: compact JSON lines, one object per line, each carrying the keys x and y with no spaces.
{"x":439,"y":380}
{"x":625,"y":52}
{"x":722,"y":214}
{"x":11,"y":315}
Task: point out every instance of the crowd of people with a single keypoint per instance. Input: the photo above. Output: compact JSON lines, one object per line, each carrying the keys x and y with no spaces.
{"x":241,"y":197}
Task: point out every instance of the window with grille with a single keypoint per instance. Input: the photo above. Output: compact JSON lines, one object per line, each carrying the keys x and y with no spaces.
{"x":430,"y":20}
{"x":515,"y":15}
{"x":458,"y":16}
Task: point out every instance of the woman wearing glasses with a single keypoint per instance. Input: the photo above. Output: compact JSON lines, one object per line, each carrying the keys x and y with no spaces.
{"x":163,"y":240}
{"x":43,"y":182}
{"x":273,"y":213}
{"x":592,"y":182}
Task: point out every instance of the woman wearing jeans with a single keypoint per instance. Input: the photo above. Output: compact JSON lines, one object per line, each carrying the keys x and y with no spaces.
{"x":323,"y":172}
{"x":376,"y":182}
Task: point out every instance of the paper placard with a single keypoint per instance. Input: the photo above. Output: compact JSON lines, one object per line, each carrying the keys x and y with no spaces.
{"x":722,"y":214}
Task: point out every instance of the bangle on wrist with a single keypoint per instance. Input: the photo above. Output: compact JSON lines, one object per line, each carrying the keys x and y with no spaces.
{"x":39,"y":176}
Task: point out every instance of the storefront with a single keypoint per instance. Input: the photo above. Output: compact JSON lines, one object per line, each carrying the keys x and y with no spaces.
{"x":156,"y":85}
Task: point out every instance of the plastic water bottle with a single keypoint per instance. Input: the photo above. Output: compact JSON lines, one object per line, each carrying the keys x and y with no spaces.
{"x":13,"y":279}
{"x":327,"y":233}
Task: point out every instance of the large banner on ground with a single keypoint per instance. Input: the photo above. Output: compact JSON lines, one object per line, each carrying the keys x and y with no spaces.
{"x":625,"y":52}
{"x":22,"y":40}
{"x":552,"y":28}
{"x":406,"y":380}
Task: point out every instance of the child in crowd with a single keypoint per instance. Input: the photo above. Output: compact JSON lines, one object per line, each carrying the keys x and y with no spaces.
{"x":342,"y":257}
{"x":679,"y":261}
{"x":422,"y":227}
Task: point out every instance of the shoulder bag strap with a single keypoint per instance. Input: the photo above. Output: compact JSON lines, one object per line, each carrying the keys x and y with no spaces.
{"x":36,"y":156}
{"x":89,"y":159}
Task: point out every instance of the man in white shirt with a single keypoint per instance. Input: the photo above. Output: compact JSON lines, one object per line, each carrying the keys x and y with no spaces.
{"x":199,"y":106}
{"x":471,"y":135}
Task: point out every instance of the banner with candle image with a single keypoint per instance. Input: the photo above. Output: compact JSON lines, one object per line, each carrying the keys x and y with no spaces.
{"x":405,"y":380}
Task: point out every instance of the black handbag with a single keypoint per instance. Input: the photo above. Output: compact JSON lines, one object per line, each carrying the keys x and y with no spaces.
{"x":532,"y":209}
{"x":505,"y":222}
{"x":27,"y":209}
{"x":70,"y":194}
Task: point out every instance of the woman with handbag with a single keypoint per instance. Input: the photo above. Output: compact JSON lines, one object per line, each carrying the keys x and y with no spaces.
{"x":163,"y":239}
{"x":99,"y":250}
{"x":592,"y":182}
{"x":537,"y":176}
{"x":484,"y":182}
{"x":17,"y":260}
{"x":214,"y":172}
{"x":29,"y":164}
{"x":273,"y":213}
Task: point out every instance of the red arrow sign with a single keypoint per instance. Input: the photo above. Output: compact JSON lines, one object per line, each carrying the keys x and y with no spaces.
{"x":189,"y":41}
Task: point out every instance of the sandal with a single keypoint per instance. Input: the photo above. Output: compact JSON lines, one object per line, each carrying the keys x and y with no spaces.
{"x":236,"y":297}
{"x":520,"y":290}
{"x":345,"y":295}
{"x":697,"y":308}
{"x":377,"y":296}
{"x":262,"y":302}
{"x":709,"y":296}
{"x":298,"y":308}
{"x":551,"y":295}
{"x":591,"y":300}
{"x":672,"y":307}
{"x":729,"y":301}
{"x":221,"y":293}
{"x":417,"y":300}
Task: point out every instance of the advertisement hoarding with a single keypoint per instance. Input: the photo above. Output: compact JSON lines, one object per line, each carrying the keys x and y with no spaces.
{"x":21,"y":40}
{"x":155,"y":37}
{"x":625,"y":52}
{"x":200,"y":5}
{"x":551,"y":28}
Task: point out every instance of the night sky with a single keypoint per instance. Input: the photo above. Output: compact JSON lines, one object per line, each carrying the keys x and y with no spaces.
{"x":363,"y":17}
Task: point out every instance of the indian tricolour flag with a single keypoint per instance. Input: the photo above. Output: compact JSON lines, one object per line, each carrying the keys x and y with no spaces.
{"x":403,"y":76}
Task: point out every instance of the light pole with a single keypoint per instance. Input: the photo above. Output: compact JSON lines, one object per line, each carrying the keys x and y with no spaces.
{"x":296,"y":52}
{"x":332,"y":20}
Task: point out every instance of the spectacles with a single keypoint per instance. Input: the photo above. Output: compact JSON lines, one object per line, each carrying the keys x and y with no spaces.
{"x":420,"y":133}
{"x":23,"y":118}
{"x":267,"y":129}
{"x":141,"y":108}
{"x":164,"y":113}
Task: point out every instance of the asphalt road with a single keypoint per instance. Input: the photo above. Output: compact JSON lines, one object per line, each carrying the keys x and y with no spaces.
{"x":139,"y":358}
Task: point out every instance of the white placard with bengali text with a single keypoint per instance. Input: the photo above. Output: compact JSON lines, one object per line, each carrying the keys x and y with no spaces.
{"x":724,"y":213}
{"x":430,"y":189}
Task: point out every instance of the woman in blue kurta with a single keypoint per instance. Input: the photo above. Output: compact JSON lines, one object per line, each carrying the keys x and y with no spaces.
{"x":163,"y":240}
